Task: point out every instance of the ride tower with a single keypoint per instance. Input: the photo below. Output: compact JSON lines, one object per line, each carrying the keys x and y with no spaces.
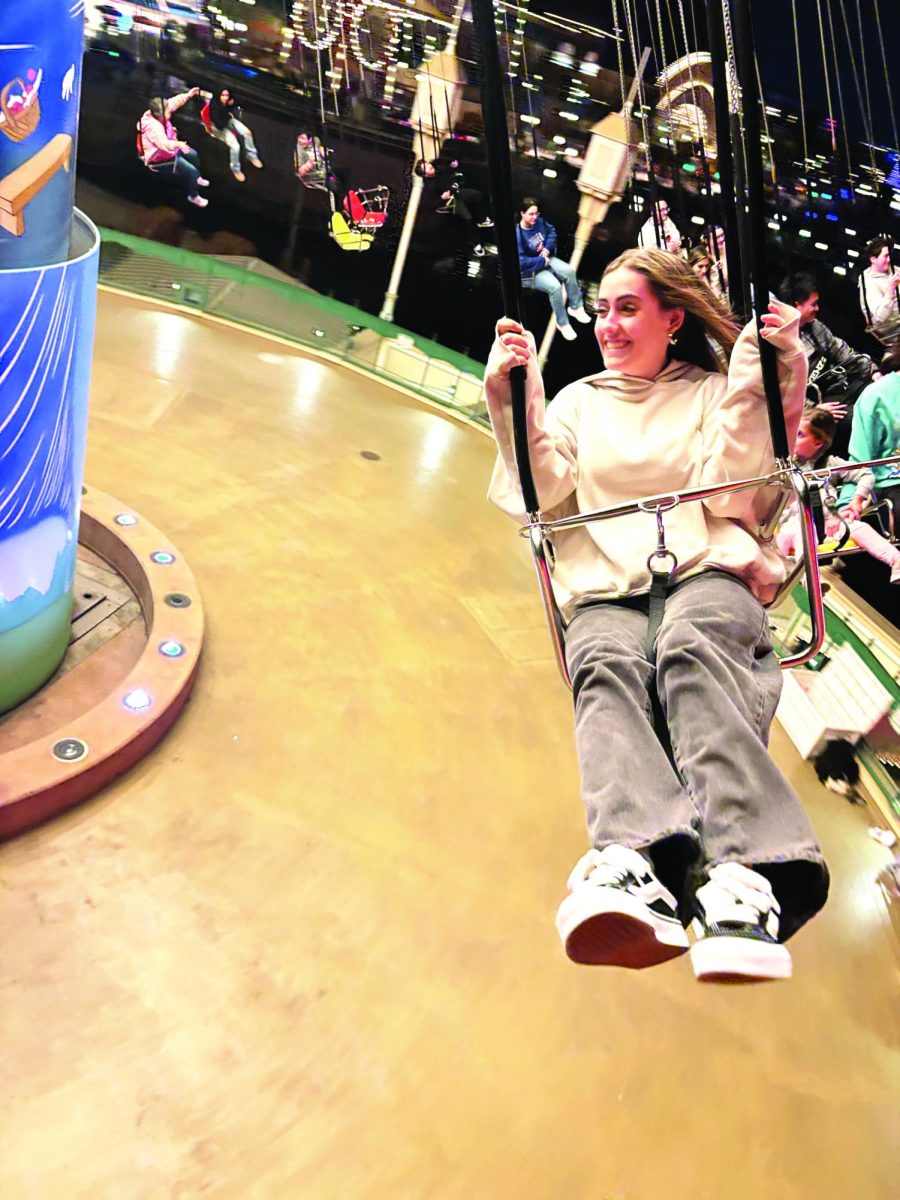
{"x":49,"y":256}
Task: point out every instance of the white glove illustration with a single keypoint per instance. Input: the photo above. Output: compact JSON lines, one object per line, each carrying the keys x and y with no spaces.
{"x":68,"y":84}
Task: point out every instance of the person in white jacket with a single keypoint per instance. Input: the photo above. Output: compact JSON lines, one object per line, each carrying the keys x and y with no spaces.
{"x":879,"y":289}
{"x":712,"y":835}
{"x":662,"y":231}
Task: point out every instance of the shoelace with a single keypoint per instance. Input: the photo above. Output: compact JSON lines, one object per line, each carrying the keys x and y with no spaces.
{"x":747,"y":887}
{"x":592,"y":867}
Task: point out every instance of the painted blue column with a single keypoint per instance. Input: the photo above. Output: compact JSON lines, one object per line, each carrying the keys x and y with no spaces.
{"x":48,"y":293}
{"x":41,"y":48}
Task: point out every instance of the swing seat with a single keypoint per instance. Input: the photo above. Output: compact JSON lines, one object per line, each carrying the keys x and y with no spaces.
{"x":347,"y":238}
{"x":366,"y":209}
{"x":315,"y":185}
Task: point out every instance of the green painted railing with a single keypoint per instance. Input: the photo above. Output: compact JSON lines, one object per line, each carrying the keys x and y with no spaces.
{"x":839,"y":633}
{"x":250,"y":294}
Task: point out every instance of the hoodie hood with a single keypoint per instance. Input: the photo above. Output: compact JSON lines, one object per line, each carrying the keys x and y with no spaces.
{"x":635,"y":389}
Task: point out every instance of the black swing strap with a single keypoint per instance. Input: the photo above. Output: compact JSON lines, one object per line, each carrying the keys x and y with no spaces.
{"x":500,"y":177}
{"x":756,"y":219}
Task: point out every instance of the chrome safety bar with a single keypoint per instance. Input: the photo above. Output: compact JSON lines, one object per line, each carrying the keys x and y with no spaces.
{"x":788,"y":477}
{"x":777,"y":478}
{"x":555,"y":622}
{"x":813,"y":580}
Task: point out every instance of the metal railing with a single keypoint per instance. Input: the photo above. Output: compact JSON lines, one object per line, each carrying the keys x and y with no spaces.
{"x":249,"y":293}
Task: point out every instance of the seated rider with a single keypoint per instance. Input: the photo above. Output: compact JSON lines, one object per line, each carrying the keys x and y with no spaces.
{"x":163,"y":152}
{"x":879,"y":292}
{"x":314,"y":166}
{"x":227,"y":127}
{"x":445,"y":189}
{"x":837,"y":372}
{"x":817,"y":427}
{"x":663,"y":231}
{"x":704,"y":830}
{"x":876,"y":430}
{"x":542,"y":270}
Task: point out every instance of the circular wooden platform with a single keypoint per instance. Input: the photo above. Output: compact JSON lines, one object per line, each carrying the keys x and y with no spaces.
{"x":112,"y":717}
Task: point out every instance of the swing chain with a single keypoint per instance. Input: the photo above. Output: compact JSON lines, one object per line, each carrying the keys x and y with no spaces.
{"x":735,"y":104}
{"x":658,"y":507}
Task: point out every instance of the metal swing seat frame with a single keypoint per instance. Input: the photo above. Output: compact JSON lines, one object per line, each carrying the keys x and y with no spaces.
{"x":786,"y":476}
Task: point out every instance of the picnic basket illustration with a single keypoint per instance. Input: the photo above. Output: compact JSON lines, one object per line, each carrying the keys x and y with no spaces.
{"x":19,"y":120}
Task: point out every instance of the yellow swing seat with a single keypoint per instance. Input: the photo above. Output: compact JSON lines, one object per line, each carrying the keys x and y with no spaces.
{"x":347,"y":238}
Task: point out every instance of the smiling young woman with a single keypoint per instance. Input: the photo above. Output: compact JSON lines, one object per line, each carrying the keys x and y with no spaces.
{"x":713,"y":837}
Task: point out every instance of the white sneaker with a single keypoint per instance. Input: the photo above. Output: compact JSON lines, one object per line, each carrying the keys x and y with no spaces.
{"x":568,"y":332}
{"x":737,"y":928}
{"x":580,"y":315}
{"x":618,"y":914}
{"x":201,"y":182}
{"x":200,"y":201}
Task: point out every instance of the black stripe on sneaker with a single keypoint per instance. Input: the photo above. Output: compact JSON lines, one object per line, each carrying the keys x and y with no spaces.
{"x":738,"y":929}
{"x":663,"y":910}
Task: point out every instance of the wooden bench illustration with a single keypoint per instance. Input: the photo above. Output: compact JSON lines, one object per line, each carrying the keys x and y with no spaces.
{"x":23,"y":184}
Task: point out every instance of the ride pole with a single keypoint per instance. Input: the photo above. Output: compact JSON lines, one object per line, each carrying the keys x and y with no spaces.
{"x":448,"y":74}
{"x":602,"y":181}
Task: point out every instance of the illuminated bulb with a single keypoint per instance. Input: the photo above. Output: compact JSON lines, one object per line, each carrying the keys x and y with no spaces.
{"x":137,"y":700}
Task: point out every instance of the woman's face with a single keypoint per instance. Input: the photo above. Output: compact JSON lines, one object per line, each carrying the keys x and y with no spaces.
{"x":701,"y":267}
{"x":632,"y":328}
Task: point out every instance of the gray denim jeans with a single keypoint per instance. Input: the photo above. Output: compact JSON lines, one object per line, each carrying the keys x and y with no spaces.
{"x":718,"y":682}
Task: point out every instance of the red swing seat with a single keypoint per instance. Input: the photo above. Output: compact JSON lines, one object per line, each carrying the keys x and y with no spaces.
{"x":366,"y":208}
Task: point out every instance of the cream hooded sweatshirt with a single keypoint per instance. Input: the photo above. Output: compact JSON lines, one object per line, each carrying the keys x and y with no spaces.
{"x":612,"y":438}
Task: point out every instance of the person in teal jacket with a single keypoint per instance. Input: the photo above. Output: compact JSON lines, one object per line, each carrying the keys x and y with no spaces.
{"x":876,"y":431}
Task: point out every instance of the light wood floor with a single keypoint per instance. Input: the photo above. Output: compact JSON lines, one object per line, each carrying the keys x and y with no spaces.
{"x":306,"y":950}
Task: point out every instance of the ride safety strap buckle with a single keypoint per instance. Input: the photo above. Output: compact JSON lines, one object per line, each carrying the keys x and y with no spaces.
{"x":661,"y":564}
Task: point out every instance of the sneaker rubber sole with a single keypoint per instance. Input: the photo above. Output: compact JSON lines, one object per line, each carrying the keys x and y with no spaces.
{"x":608,"y":927}
{"x":739,"y":960}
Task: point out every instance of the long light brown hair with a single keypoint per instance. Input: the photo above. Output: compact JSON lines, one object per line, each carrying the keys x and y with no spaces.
{"x":674,"y":284}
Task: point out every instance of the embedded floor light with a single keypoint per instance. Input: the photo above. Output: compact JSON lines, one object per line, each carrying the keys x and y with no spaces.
{"x":171,"y":649}
{"x":137,"y":700}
